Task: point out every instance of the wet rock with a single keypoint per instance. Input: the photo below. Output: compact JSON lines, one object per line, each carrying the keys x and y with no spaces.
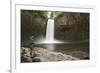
{"x":36,"y":59}
{"x":45,"y":55}
{"x":39,"y":59}
{"x":38,"y":54}
{"x":26,"y":55}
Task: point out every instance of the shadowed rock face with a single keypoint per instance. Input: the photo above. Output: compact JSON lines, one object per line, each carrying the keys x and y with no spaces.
{"x":26,"y":55}
{"x":43,"y":55}
{"x":68,"y":21}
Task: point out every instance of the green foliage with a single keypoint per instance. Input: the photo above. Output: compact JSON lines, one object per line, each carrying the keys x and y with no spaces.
{"x":57,"y":15}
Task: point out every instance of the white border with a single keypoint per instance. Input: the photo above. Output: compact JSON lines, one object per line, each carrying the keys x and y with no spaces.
{"x":17,"y":67}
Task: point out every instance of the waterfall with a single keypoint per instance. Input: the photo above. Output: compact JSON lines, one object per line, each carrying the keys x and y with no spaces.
{"x":50,"y":30}
{"x":49,"y":33}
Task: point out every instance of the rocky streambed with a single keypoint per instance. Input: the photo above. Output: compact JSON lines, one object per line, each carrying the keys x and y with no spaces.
{"x":38,"y":54}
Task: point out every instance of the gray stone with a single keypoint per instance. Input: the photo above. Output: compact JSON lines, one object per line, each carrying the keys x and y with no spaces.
{"x":46,"y":55}
{"x":26,"y":55}
{"x":38,"y":54}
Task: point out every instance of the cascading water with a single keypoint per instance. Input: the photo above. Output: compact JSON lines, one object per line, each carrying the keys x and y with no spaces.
{"x":50,"y":30}
{"x":49,"y":41}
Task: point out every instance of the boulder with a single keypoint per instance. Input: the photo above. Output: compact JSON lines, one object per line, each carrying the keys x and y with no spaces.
{"x":25,"y":55}
{"x":46,"y":55}
{"x":38,"y":54}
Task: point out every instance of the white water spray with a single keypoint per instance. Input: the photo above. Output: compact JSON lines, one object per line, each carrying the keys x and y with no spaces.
{"x":49,"y":32}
